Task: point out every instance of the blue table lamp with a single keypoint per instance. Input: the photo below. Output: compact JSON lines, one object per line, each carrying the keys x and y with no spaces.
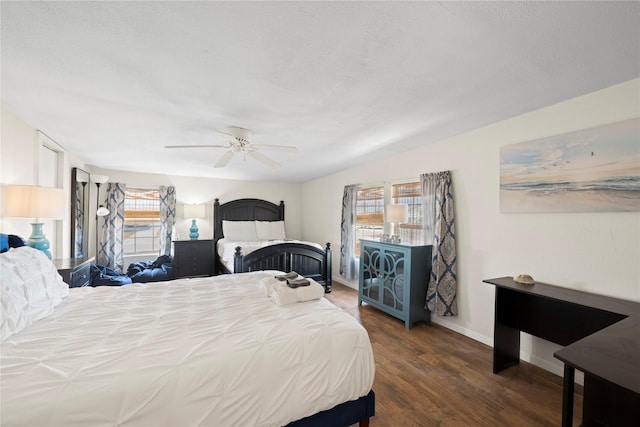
{"x":32,"y":201}
{"x":193,"y":212}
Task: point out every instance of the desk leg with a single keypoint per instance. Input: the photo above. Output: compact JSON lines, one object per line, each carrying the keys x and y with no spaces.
{"x":567,"y":395}
{"x":506,"y":338}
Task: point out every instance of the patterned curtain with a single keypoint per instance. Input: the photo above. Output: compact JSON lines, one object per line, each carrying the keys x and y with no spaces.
{"x":111,"y":252}
{"x":167,"y":217}
{"x":437,"y":196}
{"x":348,"y":268}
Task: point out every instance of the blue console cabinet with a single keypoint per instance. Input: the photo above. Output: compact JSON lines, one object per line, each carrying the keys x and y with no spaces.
{"x":394,"y":277}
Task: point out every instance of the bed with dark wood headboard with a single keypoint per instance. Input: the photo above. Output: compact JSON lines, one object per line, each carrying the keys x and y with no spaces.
{"x":307,"y":260}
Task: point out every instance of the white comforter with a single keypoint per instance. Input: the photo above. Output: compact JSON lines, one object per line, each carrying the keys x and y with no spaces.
{"x":227,"y":248}
{"x":192,"y":352}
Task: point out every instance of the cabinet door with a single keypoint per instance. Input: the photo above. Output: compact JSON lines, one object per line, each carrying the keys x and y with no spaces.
{"x":371,"y":262}
{"x":392,"y":279}
{"x":383,"y":276}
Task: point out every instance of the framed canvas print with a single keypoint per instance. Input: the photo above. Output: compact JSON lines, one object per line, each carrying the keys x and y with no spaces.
{"x":592,"y":170}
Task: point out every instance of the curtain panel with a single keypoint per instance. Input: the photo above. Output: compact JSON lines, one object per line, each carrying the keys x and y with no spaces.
{"x":348,"y":268}
{"x":167,"y":217}
{"x":111,"y":248}
{"x":437,"y":192}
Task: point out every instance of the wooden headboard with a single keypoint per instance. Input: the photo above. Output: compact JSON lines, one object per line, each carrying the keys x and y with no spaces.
{"x":244,"y":210}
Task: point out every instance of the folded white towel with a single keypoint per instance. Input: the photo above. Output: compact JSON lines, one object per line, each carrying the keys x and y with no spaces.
{"x":281,"y":294}
{"x":268,"y":283}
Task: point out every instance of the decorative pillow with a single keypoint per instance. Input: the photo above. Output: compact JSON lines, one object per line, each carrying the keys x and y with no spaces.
{"x":16,"y":241}
{"x":239,"y":231}
{"x":270,"y":230}
{"x":29,"y":290}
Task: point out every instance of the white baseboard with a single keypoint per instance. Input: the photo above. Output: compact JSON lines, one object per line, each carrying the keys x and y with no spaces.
{"x":442,"y":321}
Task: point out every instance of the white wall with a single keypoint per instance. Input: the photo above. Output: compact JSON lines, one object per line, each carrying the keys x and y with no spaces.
{"x":18,"y":162}
{"x":594,"y":252}
{"x":20,"y":146}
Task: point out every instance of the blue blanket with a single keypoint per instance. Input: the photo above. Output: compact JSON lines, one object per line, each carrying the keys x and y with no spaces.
{"x":105,"y":276}
{"x":152,"y":271}
{"x":139,"y":272}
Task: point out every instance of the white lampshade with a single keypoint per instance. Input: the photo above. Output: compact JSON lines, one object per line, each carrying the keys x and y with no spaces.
{"x":102,"y":211}
{"x":32,"y":201}
{"x":397,"y":214}
{"x":194,"y":211}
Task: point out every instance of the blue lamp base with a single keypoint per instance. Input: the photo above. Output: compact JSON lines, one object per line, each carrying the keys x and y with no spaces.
{"x":193,"y":235}
{"x":38,"y":240}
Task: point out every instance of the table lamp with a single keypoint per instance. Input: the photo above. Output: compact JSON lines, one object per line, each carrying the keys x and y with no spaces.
{"x":193,"y":212}
{"x":33,"y":201}
{"x":397,"y":214}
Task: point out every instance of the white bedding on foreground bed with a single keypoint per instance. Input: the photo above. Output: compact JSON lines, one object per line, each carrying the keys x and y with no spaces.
{"x":227,"y":248}
{"x":209,"y":351}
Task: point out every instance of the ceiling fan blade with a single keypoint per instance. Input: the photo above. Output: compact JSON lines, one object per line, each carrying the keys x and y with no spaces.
{"x":282,"y":148}
{"x":197,"y":146}
{"x":264,"y":159}
{"x":224,"y":160}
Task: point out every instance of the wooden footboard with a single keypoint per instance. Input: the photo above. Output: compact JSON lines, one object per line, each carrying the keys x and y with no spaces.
{"x":305,"y":260}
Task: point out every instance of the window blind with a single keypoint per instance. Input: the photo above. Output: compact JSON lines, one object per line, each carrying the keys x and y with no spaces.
{"x":410,"y":194}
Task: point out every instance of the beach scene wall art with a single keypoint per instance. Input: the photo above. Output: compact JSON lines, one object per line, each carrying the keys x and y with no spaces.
{"x":592,"y":170}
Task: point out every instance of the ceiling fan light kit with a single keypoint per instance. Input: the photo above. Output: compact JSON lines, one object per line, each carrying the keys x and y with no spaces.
{"x":239,"y":141}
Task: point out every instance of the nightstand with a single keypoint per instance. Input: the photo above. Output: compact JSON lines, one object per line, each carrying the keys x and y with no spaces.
{"x":193,"y":258}
{"x":74,"y":271}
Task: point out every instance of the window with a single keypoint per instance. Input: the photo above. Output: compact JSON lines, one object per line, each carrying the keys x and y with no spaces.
{"x":370,"y":211}
{"x":410,"y":194}
{"x":369,"y":214}
{"x":141,"y":221}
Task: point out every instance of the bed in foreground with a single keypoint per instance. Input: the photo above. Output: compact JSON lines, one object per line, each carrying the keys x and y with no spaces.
{"x":211,"y":351}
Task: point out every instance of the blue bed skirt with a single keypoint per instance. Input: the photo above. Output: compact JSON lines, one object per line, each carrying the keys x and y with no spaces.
{"x":342,"y":415}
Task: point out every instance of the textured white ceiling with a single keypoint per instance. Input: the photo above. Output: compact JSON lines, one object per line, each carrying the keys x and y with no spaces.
{"x":345,"y":82}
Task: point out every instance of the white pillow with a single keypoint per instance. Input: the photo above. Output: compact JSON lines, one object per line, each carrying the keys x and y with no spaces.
{"x":270,"y":230}
{"x":239,"y":231}
{"x":30,"y":288}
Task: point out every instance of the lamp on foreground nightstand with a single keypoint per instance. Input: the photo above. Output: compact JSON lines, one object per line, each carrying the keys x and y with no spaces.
{"x":193,"y":212}
{"x":33,"y":201}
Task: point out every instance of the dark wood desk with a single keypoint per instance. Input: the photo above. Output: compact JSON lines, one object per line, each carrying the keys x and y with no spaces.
{"x":602,"y":339}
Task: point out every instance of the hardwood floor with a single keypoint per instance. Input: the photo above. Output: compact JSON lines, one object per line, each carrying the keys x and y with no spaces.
{"x":432,"y":376}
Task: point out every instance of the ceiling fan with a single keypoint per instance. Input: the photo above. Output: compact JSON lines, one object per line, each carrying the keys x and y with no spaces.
{"x":239,"y":141}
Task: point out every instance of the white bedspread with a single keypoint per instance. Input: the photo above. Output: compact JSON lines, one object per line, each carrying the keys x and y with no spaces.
{"x":192,"y":352}
{"x":227,"y":249}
